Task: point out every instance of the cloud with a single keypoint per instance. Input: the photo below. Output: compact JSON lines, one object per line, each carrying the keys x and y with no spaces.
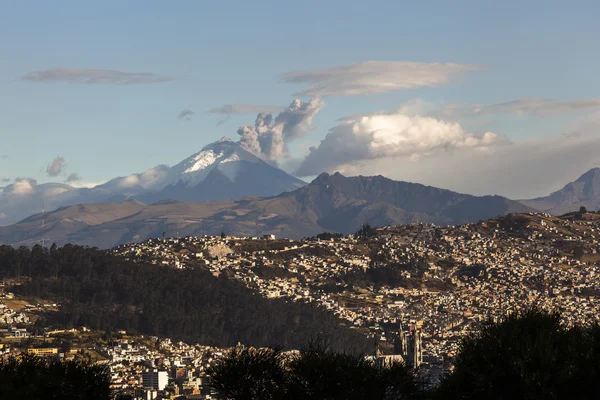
{"x":376,"y":77}
{"x":56,"y":166}
{"x":229,"y":109}
{"x":400,"y":134}
{"x":72,"y":178}
{"x":186,"y":115}
{"x":534,"y":106}
{"x":6,"y":179}
{"x":21,"y":186}
{"x":94,"y":76}
{"x":4,"y":156}
{"x":152,"y":179}
{"x":268,"y":136}
{"x":519,"y":170}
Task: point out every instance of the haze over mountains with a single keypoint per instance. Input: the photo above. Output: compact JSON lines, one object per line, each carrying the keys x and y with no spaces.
{"x":329,"y":203}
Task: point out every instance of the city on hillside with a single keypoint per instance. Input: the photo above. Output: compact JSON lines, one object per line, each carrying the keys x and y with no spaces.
{"x":413,"y":290}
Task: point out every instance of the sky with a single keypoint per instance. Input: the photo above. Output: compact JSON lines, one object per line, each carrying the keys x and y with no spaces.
{"x":481,"y":97}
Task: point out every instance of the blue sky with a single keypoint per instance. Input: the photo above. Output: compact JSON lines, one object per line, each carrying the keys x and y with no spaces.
{"x":236,"y":52}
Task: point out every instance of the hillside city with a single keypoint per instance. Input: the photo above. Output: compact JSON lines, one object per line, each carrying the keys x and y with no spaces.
{"x":387,"y":282}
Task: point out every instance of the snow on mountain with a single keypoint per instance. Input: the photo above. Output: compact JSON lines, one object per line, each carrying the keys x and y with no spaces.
{"x":194,"y":169}
{"x":221,"y":170}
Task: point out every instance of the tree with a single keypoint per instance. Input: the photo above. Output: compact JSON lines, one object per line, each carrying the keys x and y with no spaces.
{"x":317,"y":372}
{"x":321,"y":373}
{"x":529,"y":355}
{"x":223,"y":235}
{"x":31,"y":377}
{"x":247,"y":373}
{"x":329,"y":235}
{"x":366,"y":231}
{"x":582,"y":210}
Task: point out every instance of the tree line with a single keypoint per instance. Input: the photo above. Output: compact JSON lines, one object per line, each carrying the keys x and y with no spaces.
{"x":103,"y":291}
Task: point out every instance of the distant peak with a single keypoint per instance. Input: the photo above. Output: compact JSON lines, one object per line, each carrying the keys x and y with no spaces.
{"x":322,"y":176}
{"x":224,"y":142}
{"x":592,"y":175}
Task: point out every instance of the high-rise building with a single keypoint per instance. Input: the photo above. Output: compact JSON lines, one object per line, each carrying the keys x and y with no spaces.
{"x":154,"y":379}
{"x":410,"y":346}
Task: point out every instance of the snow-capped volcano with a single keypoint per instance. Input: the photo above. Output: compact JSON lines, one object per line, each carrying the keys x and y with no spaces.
{"x":221,"y":170}
{"x":223,"y":154}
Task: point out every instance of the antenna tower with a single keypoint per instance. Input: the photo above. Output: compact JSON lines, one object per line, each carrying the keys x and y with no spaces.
{"x":43,"y":225}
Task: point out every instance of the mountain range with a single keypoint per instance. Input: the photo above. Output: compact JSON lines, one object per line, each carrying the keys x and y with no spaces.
{"x":329,"y":203}
{"x":225,"y":188}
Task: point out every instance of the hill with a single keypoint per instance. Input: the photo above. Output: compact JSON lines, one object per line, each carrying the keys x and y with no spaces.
{"x":330,"y":202}
{"x":106,"y":292}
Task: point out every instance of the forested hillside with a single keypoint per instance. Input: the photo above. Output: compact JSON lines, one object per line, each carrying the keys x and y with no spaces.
{"x":102,"y":291}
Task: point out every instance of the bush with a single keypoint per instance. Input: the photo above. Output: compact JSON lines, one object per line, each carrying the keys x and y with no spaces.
{"x":321,"y":373}
{"x":249,"y":373}
{"x":30,"y":377}
{"x":316,"y":373}
{"x":529,"y":355}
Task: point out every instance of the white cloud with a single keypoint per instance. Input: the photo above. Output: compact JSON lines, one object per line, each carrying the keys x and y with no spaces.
{"x":21,"y":186}
{"x":56,"y":166}
{"x":518,"y":171}
{"x":376,"y":77}
{"x":93,"y":76}
{"x":534,"y":106}
{"x":400,"y":134}
{"x":153,"y":178}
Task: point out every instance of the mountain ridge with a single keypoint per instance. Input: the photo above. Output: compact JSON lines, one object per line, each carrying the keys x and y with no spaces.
{"x":583,"y":192}
{"x":330,"y":202}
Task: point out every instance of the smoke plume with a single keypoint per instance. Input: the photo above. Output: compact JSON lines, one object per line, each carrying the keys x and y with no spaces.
{"x":268,"y":136}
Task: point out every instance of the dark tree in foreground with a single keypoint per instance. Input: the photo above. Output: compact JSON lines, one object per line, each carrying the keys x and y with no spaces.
{"x":30,"y":377}
{"x":530,"y":355}
{"x":249,"y":373}
{"x":316,"y":373}
{"x":321,"y":373}
{"x":582,"y":210}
